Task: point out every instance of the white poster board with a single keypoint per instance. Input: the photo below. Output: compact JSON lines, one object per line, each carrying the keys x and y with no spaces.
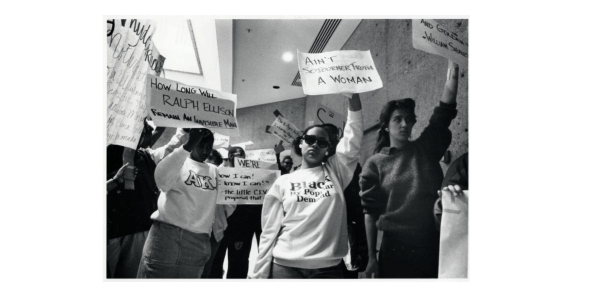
{"x":173,"y":104}
{"x":454,"y":236}
{"x":254,"y":164}
{"x":431,"y":37}
{"x":285,"y":130}
{"x":338,"y":72}
{"x":244,"y":186}
{"x":131,"y":54}
{"x":221,"y":141}
{"x":267,"y":155}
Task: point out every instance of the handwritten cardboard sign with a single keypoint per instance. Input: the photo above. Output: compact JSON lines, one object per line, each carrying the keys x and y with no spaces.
{"x":327,"y":115}
{"x":454,"y":236}
{"x":244,"y":186}
{"x":284,"y":129}
{"x":221,"y":141}
{"x":338,"y":72}
{"x":431,"y":37}
{"x":254,"y":164}
{"x":131,"y":54}
{"x":174,"y":104}
{"x":267,"y":155}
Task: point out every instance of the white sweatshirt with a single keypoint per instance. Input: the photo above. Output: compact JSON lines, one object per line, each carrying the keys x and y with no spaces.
{"x":189,"y":192}
{"x":304,"y":213}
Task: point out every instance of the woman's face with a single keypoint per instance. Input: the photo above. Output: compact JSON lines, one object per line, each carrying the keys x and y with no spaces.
{"x":313,"y":154}
{"x":401,"y":125}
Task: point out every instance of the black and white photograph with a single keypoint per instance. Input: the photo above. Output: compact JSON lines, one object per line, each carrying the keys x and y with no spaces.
{"x":287,"y":148}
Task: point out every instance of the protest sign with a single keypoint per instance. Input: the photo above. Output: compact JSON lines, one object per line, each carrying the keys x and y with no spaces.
{"x":131,"y":54}
{"x":429,"y":36}
{"x":221,"y":141}
{"x":326,"y":115}
{"x":454,"y":236}
{"x":174,"y":104}
{"x":285,"y":130}
{"x":244,"y":186}
{"x":338,"y":72}
{"x":254,"y":164}
{"x":267,"y":155}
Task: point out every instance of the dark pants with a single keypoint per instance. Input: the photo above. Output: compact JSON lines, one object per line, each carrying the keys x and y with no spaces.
{"x":286,"y":272}
{"x":237,"y":242}
{"x":399,"y":260}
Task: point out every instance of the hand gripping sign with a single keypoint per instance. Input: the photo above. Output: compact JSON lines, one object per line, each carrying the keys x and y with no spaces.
{"x":429,"y":36}
{"x":454,"y":236}
{"x":173,"y":104}
{"x":338,"y":72}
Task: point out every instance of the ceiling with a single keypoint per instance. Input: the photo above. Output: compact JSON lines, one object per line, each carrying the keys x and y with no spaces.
{"x":258,"y":47}
{"x":248,"y":53}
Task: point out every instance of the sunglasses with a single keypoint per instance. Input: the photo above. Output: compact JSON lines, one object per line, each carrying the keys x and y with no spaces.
{"x":309,"y":140}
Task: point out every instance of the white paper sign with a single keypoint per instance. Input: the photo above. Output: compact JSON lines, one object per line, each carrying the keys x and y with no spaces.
{"x":326,"y":115}
{"x":337,"y":72}
{"x":131,"y":54}
{"x":267,"y":155}
{"x":454,"y":236}
{"x":173,"y":104}
{"x":244,"y":186}
{"x":254,"y":164}
{"x":285,"y":130}
{"x":221,"y":141}
{"x":431,"y":37}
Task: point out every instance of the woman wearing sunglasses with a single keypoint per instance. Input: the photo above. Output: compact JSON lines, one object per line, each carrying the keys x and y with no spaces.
{"x":304,"y":213}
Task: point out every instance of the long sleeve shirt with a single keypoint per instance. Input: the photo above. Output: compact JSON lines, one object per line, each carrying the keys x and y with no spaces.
{"x":399,"y":186}
{"x":189,"y":192}
{"x":304,"y":213}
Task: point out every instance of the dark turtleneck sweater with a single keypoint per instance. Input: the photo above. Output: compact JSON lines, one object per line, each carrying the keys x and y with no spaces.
{"x":399,"y":186}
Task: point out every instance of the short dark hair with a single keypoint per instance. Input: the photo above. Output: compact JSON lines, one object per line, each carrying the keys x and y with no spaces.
{"x":383,"y":137}
{"x":286,"y":157}
{"x":216,"y":157}
{"x":208,"y":137}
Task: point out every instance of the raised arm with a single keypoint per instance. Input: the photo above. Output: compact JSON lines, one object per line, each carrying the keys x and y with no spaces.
{"x":347,"y":151}
{"x":451,"y":87}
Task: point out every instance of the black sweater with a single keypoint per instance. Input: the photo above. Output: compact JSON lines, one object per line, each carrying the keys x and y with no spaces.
{"x":399,"y":186}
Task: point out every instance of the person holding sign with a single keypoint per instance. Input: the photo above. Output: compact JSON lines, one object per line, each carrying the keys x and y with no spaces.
{"x":399,"y":187}
{"x":178,"y":244}
{"x":304,"y":214}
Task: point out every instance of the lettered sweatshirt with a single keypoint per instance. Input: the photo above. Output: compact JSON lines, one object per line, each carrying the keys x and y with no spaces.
{"x":189,"y":192}
{"x":304,"y":213}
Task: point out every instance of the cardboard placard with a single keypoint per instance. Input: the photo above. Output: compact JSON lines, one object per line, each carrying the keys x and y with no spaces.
{"x":254,"y":164}
{"x":284,"y":130}
{"x":131,"y":54}
{"x":338,"y":72}
{"x":267,"y":155}
{"x":221,"y":141}
{"x":173,"y":104}
{"x":454,"y":236}
{"x":431,"y":37}
{"x":244,"y":186}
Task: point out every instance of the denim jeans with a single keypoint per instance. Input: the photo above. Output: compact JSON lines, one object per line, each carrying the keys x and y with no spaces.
{"x":172,"y":252}
{"x":286,"y":272}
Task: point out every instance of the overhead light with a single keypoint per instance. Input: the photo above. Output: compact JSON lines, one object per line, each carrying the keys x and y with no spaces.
{"x":287,"y":56}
